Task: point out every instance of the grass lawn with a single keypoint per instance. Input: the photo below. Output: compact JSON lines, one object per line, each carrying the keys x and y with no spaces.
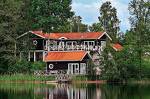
{"x":25,"y":77}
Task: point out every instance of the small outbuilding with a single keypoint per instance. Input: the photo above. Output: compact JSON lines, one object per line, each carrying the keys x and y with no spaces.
{"x":67,"y":62}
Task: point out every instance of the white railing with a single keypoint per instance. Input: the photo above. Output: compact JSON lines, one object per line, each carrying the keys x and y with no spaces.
{"x":75,"y":47}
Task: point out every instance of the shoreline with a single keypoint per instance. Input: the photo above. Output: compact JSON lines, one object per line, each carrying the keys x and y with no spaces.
{"x":76,"y":82}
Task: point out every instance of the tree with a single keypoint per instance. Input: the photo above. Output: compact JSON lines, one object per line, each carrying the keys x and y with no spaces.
{"x":10,"y":19}
{"x":140,"y":23}
{"x":108,"y":18}
{"x":49,"y":15}
{"x":96,"y":27}
{"x":110,"y":23}
{"x":76,"y":25}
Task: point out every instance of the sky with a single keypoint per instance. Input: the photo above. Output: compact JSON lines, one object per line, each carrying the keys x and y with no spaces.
{"x":89,"y":11}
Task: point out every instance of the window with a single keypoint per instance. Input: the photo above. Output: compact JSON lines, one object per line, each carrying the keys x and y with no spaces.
{"x":51,"y":66}
{"x":82,"y":68}
{"x":73,"y":68}
{"x":35,"y":42}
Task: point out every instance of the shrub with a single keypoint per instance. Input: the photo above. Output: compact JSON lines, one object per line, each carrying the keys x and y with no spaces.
{"x":20,"y":66}
{"x":38,"y":65}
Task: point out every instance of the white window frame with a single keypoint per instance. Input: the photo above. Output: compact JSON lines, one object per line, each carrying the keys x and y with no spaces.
{"x":51,"y":66}
{"x":71,"y":66}
{"x":35,"y":42}
{"x":82,"y":68}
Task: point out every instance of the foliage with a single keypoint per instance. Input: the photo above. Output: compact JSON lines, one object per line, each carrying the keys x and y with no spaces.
{"x":77,"y":25}
{"x":21,"y":66}
{"x":38,"y":65}
{"x":140,"y":21}
{"x":80,"y":78}
{"x":48,"y":15}
{"x":18,"y":16}
{"x":25,"y":67}
{"x":121,"y":65}
{"x":10,"y":18}
{"x":25,"y":77}
{"x":108,"y":18}
{"x":130,"y":62}
{"x":96,"y":27}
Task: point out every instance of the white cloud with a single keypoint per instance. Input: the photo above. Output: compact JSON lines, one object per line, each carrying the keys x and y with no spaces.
{"x":123,"y":13}
{"x":90,"y":11}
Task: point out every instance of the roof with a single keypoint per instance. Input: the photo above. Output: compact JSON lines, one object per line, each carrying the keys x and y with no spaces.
{"x":117,"y":47}
{"x":65,"y":56}
{"x":71,"y":35}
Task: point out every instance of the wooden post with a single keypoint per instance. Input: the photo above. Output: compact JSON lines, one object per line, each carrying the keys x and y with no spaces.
{"x":43,"y":55}
{"x":48,"y":45}
{"x":15,"y":50}
{"x":29,"y":56}
{"x":34,"y":56}
{"x":72,"y":46}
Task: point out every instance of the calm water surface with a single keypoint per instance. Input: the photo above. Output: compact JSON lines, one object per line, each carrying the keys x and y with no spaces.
{"x":64,"y":91}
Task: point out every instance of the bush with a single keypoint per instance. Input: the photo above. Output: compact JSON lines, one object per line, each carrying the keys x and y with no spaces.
{"x":38,"y":65}
{"x":20,"y":66}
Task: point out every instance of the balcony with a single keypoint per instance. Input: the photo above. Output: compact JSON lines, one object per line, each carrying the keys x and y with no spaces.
{"x":75,"y":47}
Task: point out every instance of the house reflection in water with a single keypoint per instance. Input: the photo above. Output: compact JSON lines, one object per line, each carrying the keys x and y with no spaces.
{"x":63,"y":91}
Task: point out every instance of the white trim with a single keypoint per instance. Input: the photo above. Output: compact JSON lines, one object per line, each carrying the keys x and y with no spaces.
{"x":27,"y":33}
{"x":72,"y":69}
{"x":88,"y":45}
{"x":35,"y":42}
{"x":29,"y":56}
{"x":84,"y":56}
{"x":90,"y":56}
{"x":34,"y":56}
{"x":37,"y":50}
{"x":43,"y":53}
{"x":22,"y":35}
{"x":51,"y":66}
{"x":106,"y":35}
{"x":62,"y":38}
{"x":37,"y":34}
{"x":62,"y":60}
{"x":82,"y":68}
{"x":115,"y":49}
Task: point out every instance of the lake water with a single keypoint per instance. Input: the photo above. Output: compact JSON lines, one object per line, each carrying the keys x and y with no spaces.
{"x":68,"y":91}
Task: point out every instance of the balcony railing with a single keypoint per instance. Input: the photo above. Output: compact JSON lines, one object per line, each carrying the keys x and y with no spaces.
{"x":75,"y":47}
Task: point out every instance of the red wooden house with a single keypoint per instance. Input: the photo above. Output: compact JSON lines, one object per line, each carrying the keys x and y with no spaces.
{"x":68,"y":53}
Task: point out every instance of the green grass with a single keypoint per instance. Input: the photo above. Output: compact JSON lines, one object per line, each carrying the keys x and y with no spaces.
{"x":86,"y":77}
{"x":25,"y":77}
{"x":80,"y":78}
